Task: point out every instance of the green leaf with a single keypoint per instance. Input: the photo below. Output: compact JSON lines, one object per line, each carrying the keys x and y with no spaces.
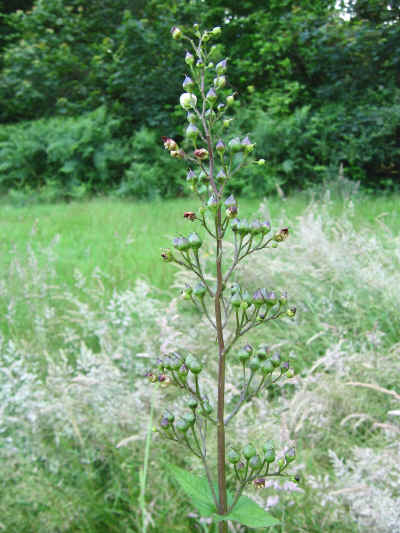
{"x":196,"y":488}
{"x":246,"y":511}
{"x":250,"y":514}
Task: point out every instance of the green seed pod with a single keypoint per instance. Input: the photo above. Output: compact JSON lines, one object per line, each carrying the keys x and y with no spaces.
{"x":192,"y":403}
{"x":275,"y":359}
{"x":271,"y":299}
{"x":255,"y":462}
{"x":199,"y":290}
{"x":258,"y":298}
{"x":192,"y":132}
{"x":243,"y":227}
{"x":194,"y":241}
{"x":233,"y":457}
{"x":255,"y":227}
{"x":235,"y":225}
{"x":262,"y":352}
{"x":234,"y":145}
{"x":182,"y":426}
{"x":266,"y":367}
{"x":183,"y":371}
{"x":281,"y":463}
{"x":290,"y":455}
{"x":254,"y":364}
{"x":236,"y":300}
{"x":190,"y":418}
{"x":212,"y":203}
{"x":188,"y":84}
{"x":207,"y":407}
{"x":269,"y":455}
{"x":189,"y":59}
{"x":249,"y":451}
{"x":269,"y":445}
{"x":193,"y":364}
{"x":243,"y":355}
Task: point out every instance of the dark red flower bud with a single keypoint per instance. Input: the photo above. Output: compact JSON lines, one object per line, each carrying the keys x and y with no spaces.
{"x":189,"y":215}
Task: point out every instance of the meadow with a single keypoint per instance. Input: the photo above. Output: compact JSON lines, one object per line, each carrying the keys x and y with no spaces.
{"x":87,"y":305}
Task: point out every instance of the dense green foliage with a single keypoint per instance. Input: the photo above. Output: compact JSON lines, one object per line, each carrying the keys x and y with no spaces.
{"x":317,"y":89}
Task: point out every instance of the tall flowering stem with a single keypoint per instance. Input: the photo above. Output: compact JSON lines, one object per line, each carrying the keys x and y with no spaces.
{"x":213,"y":157}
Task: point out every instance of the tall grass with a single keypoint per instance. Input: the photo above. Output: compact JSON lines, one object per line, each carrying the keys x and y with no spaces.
{"x":82,"y":300}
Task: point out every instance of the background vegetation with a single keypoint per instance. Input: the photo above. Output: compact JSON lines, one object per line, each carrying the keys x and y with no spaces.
{"x":319,"y":87}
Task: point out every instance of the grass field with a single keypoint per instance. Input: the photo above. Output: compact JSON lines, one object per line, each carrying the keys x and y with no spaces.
{"x":84,"y":300}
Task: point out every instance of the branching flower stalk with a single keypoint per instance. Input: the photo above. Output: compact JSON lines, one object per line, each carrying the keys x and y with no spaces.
{"x":229,"y":308}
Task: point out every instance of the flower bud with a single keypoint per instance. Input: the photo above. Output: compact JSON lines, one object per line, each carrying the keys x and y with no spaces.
{"x":212,"y":203}
{"x":248,"y":147}
{"x":275,"y":359}
{"x":243,"y":355}
{"x":190,"y":418}
{"x":192,"y":132}
{"x":164,"y":423}
{"x":249,"y":451}
{"x":199,"y":290}
{"x":258,"y":298}
{"x":169,"y":144}
{"x":284,"y":366}
{"x":188,"y":100}
{"x":291,"y":312}
{"x":255,"y":462}
{"x":151,"y":377}
{"x":177,"y":154}
{"x":265,"y":227}
{"x":283,"y":298}
{"x":254,"y":364}
{"x":269,"y":455}
{"x":248,"y":348}
{"x":290,"y":373}
{"x":221,"y":67}
{"x":210,"y":65}
{"x":219,"y":82}
{"x":271,"y":299}
{"x":207,"y":407}
{"x":243,"y":227}
{"x":220,"y":147}
{"x":192,"y":403}
{"x":164,"y":380}
{"x":255,"y":227}
{"x":216,"y":31}
{"x":230,"y":99}
{"x":182,"y":426}
{"x":191,"y":118}
{"x":189,"y":59}
{"x":187,"y":293}
{"x":206,"y":36}
{"x":282,"y":235}
{"x":227,"y":122}
{"x":176,"y":33}
{"x":233,"y":457}
{"x":176,"y":360}
{"x":211,"y":96}
{"x":261,"y":162}
{"x":183,"y":371}
{"x":262,"y":352}
{"x":281,"y":463}
{"x":201,"y":153}
{"x":236,"y":300}
{"x":188,"y":84}
{"x":234,"y":145}
{"x":193,"y":365}
{"x":290,"y":455}
{"x":199,"y":63}
{"x":195,"y":241}
{"x":221,"y":176}
{"x":259,"y":483}
{"x":266,"y":367}
{"x":181,"y":243}
{"x":167,"y":255}
{"x":189,"y":215}
{"x":220,"y":107}
{"x":235,"y":225}
{"x":169,"y":416}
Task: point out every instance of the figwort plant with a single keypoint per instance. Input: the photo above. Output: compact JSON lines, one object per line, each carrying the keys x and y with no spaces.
{"x":230,"y":309}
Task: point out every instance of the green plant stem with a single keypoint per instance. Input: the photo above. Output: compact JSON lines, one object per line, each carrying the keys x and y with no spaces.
{"x":143,"y":473}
